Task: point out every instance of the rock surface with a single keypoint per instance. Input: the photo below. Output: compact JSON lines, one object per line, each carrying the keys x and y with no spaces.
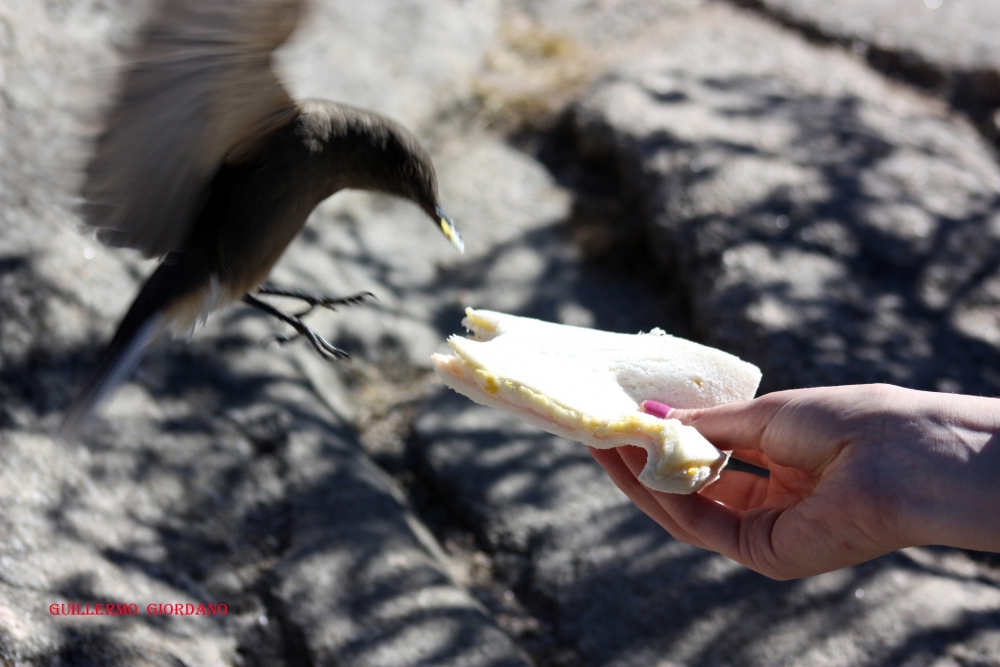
{"x":620,"y":592}
{"x":825,"y":224}
{"x":717,"y":176}
{"x":948,"y":46}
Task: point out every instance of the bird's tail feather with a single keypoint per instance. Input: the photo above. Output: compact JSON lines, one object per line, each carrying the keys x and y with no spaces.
{"x":145,"y":318}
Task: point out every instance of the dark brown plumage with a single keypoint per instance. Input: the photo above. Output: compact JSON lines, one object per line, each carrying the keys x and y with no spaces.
{"x":209,"y":163}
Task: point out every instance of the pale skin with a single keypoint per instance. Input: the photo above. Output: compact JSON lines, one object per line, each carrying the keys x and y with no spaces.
{"x":855,"y":472}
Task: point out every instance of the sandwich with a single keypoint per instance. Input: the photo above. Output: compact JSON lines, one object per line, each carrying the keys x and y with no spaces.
{"x":590,"y":386}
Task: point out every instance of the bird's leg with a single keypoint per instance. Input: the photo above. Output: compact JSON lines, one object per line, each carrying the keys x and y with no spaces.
{"x":326,"y":349}
{"x":313,"y":300}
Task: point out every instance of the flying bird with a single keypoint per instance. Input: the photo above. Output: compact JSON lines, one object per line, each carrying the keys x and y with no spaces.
{"x":208,"y":163}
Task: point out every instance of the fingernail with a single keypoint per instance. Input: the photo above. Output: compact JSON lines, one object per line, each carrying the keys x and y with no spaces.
{"x":656,"y":409}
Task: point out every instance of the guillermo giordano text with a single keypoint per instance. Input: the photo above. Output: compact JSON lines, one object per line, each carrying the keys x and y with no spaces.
{"x":132,"y":609}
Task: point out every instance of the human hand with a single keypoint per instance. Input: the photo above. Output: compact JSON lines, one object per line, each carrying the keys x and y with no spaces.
{"x":854,"y":473}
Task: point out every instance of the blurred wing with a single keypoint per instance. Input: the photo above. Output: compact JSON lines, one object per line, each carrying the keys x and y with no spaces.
{"x":200,"y":89}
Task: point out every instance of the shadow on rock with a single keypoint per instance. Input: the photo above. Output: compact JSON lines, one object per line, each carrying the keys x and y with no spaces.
{"x":827,"y":238}
{"x":617,"y":590}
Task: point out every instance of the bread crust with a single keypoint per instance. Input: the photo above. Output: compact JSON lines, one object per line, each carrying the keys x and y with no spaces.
{"x":679,"y":459}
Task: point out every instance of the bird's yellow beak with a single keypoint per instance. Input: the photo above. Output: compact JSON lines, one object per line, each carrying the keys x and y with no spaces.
{"x":448,"y":228}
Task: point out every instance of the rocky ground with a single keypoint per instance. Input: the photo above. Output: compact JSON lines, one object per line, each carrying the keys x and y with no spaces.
{"x":811,"y":185}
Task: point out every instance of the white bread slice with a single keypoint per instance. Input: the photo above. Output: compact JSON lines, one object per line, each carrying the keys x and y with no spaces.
{"x":588,"y":386}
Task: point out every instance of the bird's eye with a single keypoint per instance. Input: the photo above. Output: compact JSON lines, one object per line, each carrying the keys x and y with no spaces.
{"x":408,"y":169}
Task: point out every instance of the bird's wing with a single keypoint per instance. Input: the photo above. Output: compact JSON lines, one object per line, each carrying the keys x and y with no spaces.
{"x":199,"y":90}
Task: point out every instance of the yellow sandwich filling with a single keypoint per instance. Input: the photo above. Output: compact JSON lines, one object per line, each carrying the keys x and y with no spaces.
{"x":602,"y":430}
{"x":477,"y":323}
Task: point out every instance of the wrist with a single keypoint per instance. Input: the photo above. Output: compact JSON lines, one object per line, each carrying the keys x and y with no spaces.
{"x":950,"y":466}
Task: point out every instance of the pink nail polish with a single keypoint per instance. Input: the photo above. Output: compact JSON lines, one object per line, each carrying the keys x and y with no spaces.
{"x":656,"y":409}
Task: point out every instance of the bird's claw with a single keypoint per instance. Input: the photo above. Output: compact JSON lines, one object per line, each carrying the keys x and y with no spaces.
{"x":315,"y":300}
{"x":325,"y":348}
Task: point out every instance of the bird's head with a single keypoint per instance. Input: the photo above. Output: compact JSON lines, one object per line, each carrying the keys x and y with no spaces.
{"x":371,"y":152}
{"x":412,"y":176}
